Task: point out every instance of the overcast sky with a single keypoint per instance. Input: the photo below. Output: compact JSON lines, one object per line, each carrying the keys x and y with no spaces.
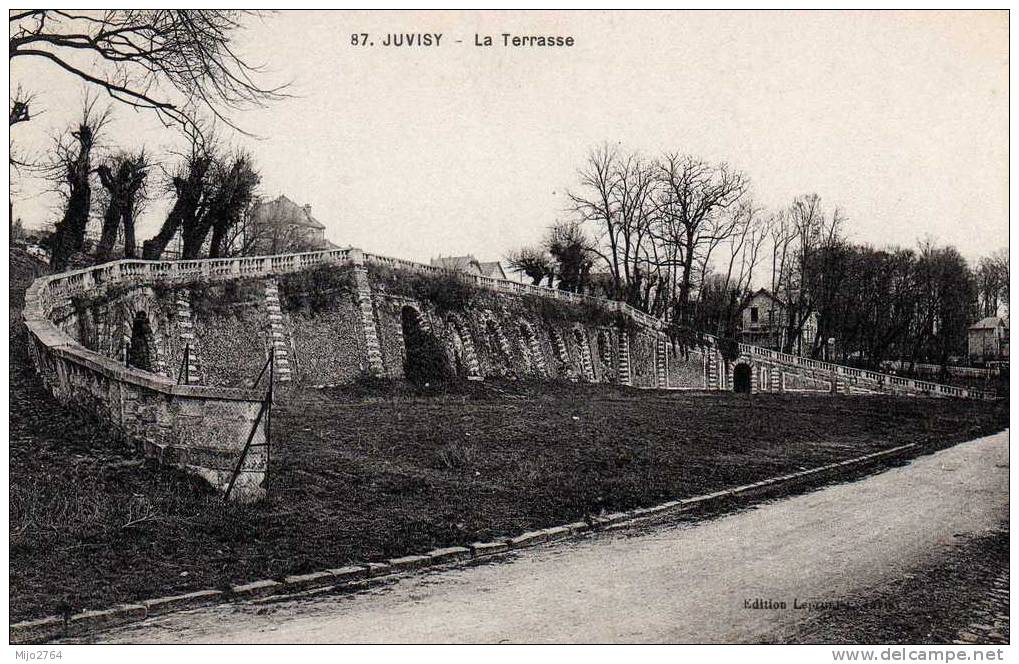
{"x":900,"y":119}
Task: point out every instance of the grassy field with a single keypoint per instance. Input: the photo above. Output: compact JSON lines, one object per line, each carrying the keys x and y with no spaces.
{"x":379,"y":470}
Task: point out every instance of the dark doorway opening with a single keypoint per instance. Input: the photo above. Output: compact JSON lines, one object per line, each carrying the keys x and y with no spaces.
{"x":424,"y":361}
{"x":604,"y":350}
{"x":741,"y":378}
{"x":140,"y":352}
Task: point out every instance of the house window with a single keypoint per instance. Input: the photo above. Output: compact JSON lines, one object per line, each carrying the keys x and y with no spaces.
{"x":753,"y":315}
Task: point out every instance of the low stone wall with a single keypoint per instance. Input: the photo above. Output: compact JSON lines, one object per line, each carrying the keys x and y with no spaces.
{"x":199,"y":429}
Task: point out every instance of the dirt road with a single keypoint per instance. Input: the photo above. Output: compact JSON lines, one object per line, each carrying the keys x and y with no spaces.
{"x":679,"y":583}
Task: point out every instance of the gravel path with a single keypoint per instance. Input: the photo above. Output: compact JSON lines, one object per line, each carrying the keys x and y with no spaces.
{"x":678,"y":582}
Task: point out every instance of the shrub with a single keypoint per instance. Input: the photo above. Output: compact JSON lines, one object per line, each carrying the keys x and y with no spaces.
{"x":316,"y":289}
{"x":446,"y":291}
{"x":221,"y":297}
{"x":588,"y":312}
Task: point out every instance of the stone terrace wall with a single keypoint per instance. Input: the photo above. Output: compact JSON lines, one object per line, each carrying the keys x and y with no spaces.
{"x":202,"y":429}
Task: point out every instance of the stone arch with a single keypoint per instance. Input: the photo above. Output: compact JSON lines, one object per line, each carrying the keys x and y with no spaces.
{"x":497,"y":346}
{"x":584,"y":349}
{"x":106,"y":327}
{"x":742,"y":378}
{"x":461,"y":346}
{"x":530,"y":349}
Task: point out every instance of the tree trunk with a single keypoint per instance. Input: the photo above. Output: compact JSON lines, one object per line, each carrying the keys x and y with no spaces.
{"x":153,"y":249}
{"x":70,"y":231}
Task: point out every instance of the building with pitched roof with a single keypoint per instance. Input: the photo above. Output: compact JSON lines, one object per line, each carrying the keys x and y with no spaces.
{"x":988,"y":340}
{"x":470,"y":265}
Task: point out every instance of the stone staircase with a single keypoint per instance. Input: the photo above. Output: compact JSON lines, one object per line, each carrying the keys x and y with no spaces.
{"x":188,"y":338}
{"x":368,"y":324}
{"x":624,"y":359}
{"x":277,"y":333}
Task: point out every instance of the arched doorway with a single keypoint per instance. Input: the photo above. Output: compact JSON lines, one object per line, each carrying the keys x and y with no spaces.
{"x":142,"y":350}
{"x":741,"y":378}
{"x":424,"y":360}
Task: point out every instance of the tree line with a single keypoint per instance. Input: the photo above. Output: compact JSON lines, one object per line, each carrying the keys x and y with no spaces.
{"x":682,"y":239}
{"x":211,"y":186}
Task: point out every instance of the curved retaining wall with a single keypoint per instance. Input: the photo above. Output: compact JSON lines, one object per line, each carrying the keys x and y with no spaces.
{"x":203,"y":428}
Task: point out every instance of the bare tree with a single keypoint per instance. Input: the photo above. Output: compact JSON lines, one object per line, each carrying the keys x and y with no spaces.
{"x":691,"y":198}
{"x":534,"y":262}
{"x":992,"y":282}
{"x":234,"y":181}
{"x":123,"y":177}
{"x":71,"y":170}
{"x":808,"y":236}
{"x":188,"y":183}
{"x":171,"y":62}
{"x":743,"y":246}
{"x":616,"y":198}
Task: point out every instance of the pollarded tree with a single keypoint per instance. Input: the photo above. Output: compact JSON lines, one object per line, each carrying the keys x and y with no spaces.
{"x":534,"y":262}
{"x":211,"y":192}
{"x":234,"y":182}
{"x":188,"y":183}
{"x":123,"y":177}
{"x":71,"y":170}
{"x":571,"y":250}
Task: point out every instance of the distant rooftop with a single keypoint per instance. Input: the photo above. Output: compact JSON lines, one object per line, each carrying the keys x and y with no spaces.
{"x":989,"y":323}
{"x":471,"y":265}
{"x":283,"y":210}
